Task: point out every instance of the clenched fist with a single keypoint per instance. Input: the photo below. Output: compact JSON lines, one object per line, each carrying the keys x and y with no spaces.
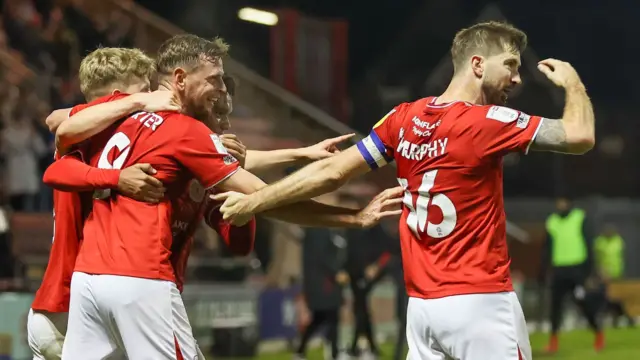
{"x":560,"y":73}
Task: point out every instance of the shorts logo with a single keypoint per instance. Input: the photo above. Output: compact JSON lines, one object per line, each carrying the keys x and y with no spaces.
{"x":502,"y":114}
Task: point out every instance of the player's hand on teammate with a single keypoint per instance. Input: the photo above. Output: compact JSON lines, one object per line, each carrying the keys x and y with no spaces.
{"x":233,"y":209}
{"x":561,"y":73}
{"x":138,"y":183}
{"x":235,"y":147}
{"x":387,"y":203}
{"x":325,"y":148}
{"x":159,"y":100}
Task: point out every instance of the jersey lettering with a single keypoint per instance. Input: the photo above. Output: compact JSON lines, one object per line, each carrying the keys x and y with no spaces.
{"x":418,"y":214}
{"x":150,"y":120}
{"x":411,"y":151}
{"x":118,"y":141}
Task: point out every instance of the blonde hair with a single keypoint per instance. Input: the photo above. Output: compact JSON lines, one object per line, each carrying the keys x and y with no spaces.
{"x":187,"y":50}
{"x":486,"y":39}
{"x":106,"y":68}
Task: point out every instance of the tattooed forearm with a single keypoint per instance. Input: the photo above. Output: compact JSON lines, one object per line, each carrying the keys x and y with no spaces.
{"x":551,"y":136}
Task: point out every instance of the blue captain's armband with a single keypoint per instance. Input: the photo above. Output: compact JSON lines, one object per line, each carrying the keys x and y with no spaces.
{"x":373,"y":151}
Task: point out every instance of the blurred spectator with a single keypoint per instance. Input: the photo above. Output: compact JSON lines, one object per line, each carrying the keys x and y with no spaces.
{"x":22,"y":148}
{"x":609,"y":253}
{"x":323,"y":280}
{"x":568,"y":252}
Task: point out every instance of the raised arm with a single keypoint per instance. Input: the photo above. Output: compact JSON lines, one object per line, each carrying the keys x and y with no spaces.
{"x":574,"y":133}
{"x":94,"y":119}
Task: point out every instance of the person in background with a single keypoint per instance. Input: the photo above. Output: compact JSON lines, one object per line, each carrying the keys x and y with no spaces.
{"x":367,"y":259}
{"x":567,"y":252}
{"x":323,"y":257}
{"x":609,"y":253}
{"x":22,"y":148}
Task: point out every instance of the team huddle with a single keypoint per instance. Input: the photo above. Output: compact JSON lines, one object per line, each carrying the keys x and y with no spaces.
{"x":137,"y":171}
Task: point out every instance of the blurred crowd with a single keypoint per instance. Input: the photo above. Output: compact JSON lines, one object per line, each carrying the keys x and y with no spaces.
{"x":50,"y":40}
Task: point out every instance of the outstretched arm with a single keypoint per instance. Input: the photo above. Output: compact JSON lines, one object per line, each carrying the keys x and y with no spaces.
{"x":308,"y":212}
{"x":313,"y":180}
{"x":261,"y":161}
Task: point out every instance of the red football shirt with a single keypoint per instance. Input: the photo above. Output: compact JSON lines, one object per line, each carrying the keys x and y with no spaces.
{"x":449,"y":160}
{"x":130,"y":238}
{"x":188,"y":210}
{"x":69,"y":212}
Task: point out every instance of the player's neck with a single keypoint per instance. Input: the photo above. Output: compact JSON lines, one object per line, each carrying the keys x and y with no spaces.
{"x":460,"y":89}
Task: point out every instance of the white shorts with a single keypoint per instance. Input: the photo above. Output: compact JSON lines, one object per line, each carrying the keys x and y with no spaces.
{"x":45,"y":333}
{"x":116,"y":316}
{"x":468,"y":327}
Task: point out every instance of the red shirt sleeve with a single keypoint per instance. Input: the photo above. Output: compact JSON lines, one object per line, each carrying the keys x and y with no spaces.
{"x":201,"y":151}
{"x":378,"y":148}
{"x":70,"y":173}
{"x":239,"y":239}
{"x":498,"y":130}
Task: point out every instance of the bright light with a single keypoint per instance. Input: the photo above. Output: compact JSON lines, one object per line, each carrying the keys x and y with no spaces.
{"x":258,"y":16}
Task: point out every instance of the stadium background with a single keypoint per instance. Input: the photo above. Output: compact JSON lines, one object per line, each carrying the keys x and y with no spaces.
{"x":324,"y":69}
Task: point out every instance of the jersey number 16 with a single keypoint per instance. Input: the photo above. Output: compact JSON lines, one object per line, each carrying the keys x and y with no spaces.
{"x":418,"y":213}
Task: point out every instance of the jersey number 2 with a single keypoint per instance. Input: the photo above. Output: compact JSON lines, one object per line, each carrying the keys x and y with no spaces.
{"x":418,"y":213}
{"x":118,"y":141}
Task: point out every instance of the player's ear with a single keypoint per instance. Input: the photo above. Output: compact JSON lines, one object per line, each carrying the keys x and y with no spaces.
{"x":180,"y":78}
{"x":116,"y":92}
{"x":477,"y":65}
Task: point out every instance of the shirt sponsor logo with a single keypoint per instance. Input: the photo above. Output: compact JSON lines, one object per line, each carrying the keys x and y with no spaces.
{"x":502,"y":114}
{"x":218,"y":144}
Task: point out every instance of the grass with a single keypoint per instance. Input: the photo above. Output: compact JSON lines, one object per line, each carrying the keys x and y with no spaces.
{"x":621,"y":344}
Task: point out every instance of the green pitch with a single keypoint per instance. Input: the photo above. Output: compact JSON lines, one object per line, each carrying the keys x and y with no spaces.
{"x":621,"y":344}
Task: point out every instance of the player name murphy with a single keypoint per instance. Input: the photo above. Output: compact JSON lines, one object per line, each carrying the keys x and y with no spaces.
{"x":411,"y":151}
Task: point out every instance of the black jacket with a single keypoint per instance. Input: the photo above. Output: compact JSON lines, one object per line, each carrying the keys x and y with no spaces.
{"x":323,"y":256}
